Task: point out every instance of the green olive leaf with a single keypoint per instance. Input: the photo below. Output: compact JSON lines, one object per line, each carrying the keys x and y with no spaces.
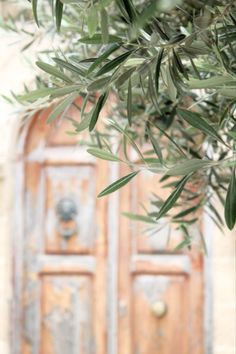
{"x":52,"y":70}
{"x":100,"y":103}
{"x":34,"y":4}
{"x":114,"y":63}
{"x":104,"y":25}
{"x":186,"y":167}
{"x":230,"y":203}
{"x":61,"y":107}
{"x":66,"y":65}
{"x":171,"y":200}
{"x":92,"y":20}
{"x":129,"y":103}
{"x":99,"y":84}
{"x":155,"y":145}
{"x":58,"y":13}
{"x":110,"y":49}
{"x":137,"y":217}
{"x":158,"y":67}
{"x":118,"y":184}
{"x":198,"y":122}
{"x":98,"y":39}
{"x":102,"y":154}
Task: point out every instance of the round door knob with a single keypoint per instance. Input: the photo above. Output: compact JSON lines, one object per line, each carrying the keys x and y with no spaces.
{"x":159,"y":308}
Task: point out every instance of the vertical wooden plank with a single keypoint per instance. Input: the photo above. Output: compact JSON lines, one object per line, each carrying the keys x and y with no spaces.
{"x":112,"y":263}
{"x":125,"y":318}
{"x":100,"y":293}
{"x":196,"y":312}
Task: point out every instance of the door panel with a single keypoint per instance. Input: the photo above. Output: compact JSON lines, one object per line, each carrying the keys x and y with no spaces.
{"x":144,"y":186}
{"x":152,"y":278}
{"x":160,"y":314}
{"x":76,"y":183}
{"x":67,"y":314}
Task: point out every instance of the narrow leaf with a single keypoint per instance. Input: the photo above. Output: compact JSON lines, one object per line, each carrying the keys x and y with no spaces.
{"x":178,"y":63}
{"x":138,"y":217}
{"x":189,"y":166}
{"x":233,"y":19}
{"x":61,"y":107}
{"x":92,"y":20}
{"x":52,"y":70}
{"x":172,"y":91}
{"x":97,"y":39}
{"x":118,"y":184}
{"x":213,"y":82}
{"x":111,"y":48}
{"x":126,"y":137}
{"x":155,"y":145}
{"x":58,"y":13}
{"x":230,"y":203}
{"x":196,"y":121}
{"x":124,"y":77}
{"x":129,"y":103}
{"x":182,"y":244}
{"x":102,"y":154}
{"x":171,"y":200}
{"x":35,"y":12}
{"x":128,"y":10}
{"x":158,"y":67}
{"x":114,"y":63}
{"x":176,"y":39}
{"x":104,"y":26}
{"x":62,"y":91}
{"x":97,"y":110}
{"x":186,"y":212}
{"x":69,"y":66}
{"x":83,"y":124}
{"x":99,"y":84}
{"x":36,"y":94}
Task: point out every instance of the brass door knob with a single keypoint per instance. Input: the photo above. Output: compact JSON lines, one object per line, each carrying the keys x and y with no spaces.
{"x":159,"y":308}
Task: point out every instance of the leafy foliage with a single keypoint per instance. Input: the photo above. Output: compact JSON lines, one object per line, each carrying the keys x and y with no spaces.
{"x":171,"y":66}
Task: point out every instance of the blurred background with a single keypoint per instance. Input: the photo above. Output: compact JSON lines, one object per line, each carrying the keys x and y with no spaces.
{"x":93,"y":284}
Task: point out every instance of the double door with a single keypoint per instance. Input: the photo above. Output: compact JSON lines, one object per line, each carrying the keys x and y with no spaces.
{"x":89,"y":280}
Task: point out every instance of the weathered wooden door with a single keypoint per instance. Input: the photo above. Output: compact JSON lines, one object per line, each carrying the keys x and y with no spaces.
{"x":88,"y":281}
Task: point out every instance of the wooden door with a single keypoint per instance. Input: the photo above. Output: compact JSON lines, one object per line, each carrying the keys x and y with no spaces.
{"x":92,"y":282}
{"x":160,"y":291}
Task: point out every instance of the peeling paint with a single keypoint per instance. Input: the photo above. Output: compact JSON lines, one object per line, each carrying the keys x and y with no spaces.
{"x":151,"y":286}
{"x":67,"y":316}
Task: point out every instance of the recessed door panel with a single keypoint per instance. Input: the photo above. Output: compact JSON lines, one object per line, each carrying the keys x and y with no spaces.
{"x":70,"y":209}
{"x":67,"y":315}
{"x":160,"y":309}
{"x":164,"y":237}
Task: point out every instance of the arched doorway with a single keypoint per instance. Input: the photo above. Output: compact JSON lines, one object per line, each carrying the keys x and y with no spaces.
{"x":86,"y":279}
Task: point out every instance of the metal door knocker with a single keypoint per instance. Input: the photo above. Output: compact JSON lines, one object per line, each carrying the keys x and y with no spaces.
{"x":67,"y":211}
